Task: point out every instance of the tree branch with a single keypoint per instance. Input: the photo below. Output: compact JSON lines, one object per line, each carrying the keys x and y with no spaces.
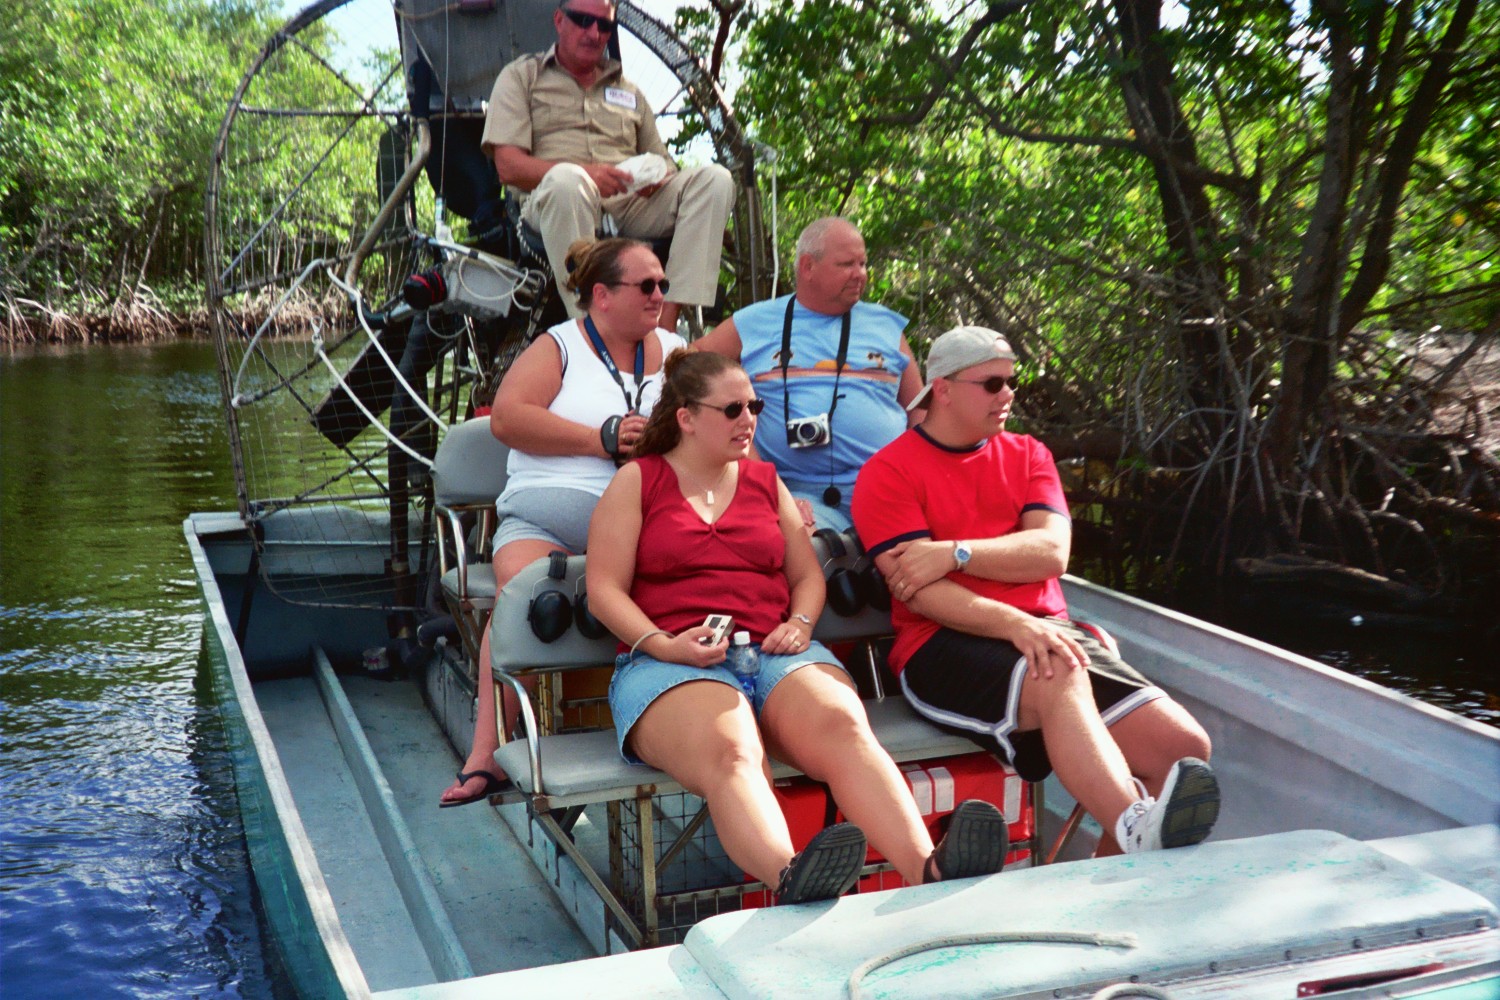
{"x":1396,"y":171}
{"x":949,"y":65}
{"x":727,"y":10}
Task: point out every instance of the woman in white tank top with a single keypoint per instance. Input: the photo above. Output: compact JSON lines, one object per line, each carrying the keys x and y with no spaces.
{"x":571,"y":407}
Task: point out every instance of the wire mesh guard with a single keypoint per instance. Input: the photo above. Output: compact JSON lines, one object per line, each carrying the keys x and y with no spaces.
{"x":318,"y":211}
{"x":694,"y":877}
{"x":305,"y":154}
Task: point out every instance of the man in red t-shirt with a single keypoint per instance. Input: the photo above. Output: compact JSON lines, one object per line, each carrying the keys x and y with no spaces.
{"x":969,"y":525}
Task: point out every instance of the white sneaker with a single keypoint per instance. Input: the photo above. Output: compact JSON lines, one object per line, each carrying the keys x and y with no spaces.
{"x":1185,"y":815}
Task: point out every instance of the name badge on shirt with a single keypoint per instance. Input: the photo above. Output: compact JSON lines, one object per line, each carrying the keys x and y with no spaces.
{"x":617,"y":96}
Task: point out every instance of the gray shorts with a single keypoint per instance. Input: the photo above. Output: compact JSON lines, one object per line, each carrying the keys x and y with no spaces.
{"x":550,"y":514}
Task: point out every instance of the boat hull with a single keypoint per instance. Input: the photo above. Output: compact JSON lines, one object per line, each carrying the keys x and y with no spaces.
{"x":295,"y":900}
{"x":1298,"y":747}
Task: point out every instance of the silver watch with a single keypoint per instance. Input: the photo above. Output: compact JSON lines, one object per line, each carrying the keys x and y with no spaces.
{"x":961,"y":555}
{"x":804,"y":620}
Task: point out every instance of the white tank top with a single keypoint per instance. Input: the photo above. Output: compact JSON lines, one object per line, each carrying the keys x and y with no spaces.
{"x":588,"y":396}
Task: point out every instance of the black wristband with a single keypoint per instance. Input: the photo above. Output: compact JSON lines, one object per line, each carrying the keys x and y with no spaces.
{"x":609,"y":436}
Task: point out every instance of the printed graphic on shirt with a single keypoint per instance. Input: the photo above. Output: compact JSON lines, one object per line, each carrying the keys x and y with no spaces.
{"x":876,"y":372}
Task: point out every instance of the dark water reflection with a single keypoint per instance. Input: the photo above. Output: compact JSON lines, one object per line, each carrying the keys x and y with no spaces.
{"x":123,"y":870}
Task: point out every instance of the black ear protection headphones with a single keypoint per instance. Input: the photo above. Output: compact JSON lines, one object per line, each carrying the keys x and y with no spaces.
{"x":591,"y":627}
{"x":871,"y":581}
{"x":846,"y":590}
{"x":551,"y":612}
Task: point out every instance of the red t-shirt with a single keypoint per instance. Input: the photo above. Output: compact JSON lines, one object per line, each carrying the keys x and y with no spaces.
{"x":686,"y":569}
{"x":916,"y":488}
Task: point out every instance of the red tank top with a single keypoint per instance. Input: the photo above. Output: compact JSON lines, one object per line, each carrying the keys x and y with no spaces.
{"x":686,"y":569}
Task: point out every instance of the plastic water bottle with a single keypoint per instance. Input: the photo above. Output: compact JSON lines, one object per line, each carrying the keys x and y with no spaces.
{"x":744,"y":662}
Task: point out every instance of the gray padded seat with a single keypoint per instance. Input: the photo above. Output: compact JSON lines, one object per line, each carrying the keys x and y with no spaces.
{"x":468,"y":474}
{"x":513,"y":646}
{"x":581,"y":768}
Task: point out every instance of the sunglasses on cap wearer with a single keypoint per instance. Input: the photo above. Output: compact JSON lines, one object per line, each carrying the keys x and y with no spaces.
{"x":646,"y":285}
{"x":587,"y":21}
{"x":733,"y":410}
{"x":991,"y":385}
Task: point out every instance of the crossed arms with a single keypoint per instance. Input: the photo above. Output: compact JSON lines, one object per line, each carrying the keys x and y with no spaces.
{"x":917,"y":573}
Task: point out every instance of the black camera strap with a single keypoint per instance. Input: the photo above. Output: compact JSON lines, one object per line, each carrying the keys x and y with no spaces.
{"x":831,"y":496}
{"x":613,"y":369}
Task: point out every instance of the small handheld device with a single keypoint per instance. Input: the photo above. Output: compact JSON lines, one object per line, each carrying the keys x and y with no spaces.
{"x":808,"y":432}
{"x":721,"y":624}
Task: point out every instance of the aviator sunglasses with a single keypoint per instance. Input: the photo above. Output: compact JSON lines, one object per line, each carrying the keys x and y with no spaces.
{"x":587,"y":21}
{"x":646,"y":285}
{"x":991,"y":385}
{"x":733,"y":410}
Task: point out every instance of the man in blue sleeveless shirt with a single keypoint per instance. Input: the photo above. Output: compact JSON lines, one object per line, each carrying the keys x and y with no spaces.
{"x":835,"y":372}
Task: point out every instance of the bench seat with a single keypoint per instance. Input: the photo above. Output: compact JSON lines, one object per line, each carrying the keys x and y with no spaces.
{"x":479,"y":588}
{"x":584,"y":768}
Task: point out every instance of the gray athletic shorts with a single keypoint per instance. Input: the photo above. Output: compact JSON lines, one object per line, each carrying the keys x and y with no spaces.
{"x":550,"y":514}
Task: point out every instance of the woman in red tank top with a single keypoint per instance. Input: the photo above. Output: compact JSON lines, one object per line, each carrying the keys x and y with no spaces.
{"x":694,"y":526}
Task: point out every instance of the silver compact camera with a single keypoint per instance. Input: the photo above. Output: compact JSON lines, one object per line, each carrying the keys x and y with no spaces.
{"x":808,"y":432}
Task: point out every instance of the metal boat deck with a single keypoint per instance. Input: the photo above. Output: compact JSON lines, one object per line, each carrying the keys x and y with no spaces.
{"x":374,"y":891}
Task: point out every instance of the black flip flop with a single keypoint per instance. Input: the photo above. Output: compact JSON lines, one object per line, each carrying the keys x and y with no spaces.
{"x":826,"y":868}
{"x":976,"y":843}
{"x":492,"y":786}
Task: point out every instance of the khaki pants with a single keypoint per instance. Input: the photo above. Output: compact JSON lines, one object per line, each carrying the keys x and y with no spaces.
{"x":693,"y":205}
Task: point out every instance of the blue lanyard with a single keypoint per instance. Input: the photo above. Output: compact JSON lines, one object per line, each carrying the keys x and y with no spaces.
{"x":614,"y":371}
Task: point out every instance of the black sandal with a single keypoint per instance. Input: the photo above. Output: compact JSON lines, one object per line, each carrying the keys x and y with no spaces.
{"x":826,"y":868}
{"x":977,"y":841}
{"x":492,"y":786}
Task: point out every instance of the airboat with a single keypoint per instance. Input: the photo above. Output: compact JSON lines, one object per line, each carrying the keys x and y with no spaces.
{"x":1357,"y":855}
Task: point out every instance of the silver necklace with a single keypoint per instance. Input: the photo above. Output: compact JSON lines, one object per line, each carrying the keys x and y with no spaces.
{"x":708,"y":494}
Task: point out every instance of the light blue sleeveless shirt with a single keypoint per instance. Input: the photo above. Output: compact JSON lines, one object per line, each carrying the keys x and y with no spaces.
{"x":868,"y":416}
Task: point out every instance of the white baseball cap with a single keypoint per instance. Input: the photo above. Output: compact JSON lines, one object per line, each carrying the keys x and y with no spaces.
{"x":960,"y":348}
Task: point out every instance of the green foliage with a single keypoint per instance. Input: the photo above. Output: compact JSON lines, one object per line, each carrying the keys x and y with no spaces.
{"x":110,"y":109}
{"x":1004,"y":181}
{"x":1200,"y":233}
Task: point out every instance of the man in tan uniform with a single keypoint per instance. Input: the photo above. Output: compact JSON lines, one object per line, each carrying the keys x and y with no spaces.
{"x":557,"y":125}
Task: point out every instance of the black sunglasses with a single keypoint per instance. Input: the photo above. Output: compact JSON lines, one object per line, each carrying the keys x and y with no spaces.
{"x":587,"y":21}
{"x":646,"y":285}
{"x":991,"y":385}
{"x":733,"y":410}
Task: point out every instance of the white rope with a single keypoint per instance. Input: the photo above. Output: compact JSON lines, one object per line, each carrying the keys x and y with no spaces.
{"x":317,"y":340}
{"x":237,"y":398}
{"x":359,"y":313}
{"x":1001,"y":937}
{"x":770,"y":156}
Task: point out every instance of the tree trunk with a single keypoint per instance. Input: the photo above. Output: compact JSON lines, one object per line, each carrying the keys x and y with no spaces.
{"x":1192,"y":228}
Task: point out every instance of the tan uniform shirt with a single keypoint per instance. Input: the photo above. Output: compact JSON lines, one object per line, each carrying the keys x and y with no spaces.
{"x":541,"y":108}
